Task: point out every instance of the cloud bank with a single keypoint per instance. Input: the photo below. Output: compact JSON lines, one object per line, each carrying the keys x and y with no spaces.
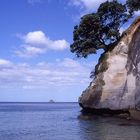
{"x":66,"y":72}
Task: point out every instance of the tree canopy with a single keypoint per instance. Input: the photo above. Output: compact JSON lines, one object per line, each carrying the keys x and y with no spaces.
{"x":133,"y":5}
{"x":99,"y":30}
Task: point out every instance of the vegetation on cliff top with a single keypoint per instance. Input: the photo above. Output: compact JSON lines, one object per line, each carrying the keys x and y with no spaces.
{"x":101,"y":29}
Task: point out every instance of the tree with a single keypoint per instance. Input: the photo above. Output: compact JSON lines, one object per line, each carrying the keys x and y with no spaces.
{"x":133,"y":5}
{"x":99,"y":30}
{"x":87,"y":36}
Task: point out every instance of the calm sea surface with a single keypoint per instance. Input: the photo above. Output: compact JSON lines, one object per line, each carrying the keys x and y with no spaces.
{"x":58,"y":121}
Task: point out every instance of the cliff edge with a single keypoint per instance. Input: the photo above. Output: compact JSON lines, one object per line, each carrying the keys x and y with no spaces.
{"x":116,"y":83}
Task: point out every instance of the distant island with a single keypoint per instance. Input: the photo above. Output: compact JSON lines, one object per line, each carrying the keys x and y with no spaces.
{"x":51,"y":101}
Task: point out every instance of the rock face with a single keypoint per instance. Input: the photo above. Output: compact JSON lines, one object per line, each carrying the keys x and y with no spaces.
{"x":116,"y":85}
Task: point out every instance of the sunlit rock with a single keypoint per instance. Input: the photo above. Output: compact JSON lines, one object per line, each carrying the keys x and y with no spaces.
{"x":116,"y":85}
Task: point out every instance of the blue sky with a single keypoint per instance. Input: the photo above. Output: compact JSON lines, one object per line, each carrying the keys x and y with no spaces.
{"x":35,"y":61}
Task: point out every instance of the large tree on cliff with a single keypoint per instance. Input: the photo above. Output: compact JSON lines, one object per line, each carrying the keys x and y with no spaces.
{"x":99,"y":30}
{"x":133,"y":5}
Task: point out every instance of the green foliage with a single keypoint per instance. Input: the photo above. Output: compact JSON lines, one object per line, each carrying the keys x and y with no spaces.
{"x":112,"y":16}
{"x":86,"y":35}
{"x":133,"y":5}
{"x":102,"y":64}
{"x":99,"y":30}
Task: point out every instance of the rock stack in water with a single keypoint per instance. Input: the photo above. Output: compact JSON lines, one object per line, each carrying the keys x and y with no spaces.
{"x":116,"y":85}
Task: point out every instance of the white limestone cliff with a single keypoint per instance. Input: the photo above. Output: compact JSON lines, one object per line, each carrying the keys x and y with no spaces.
{"x":116,"y":85}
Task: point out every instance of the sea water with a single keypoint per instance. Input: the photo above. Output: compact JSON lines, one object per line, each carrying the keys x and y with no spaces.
{"x":59,"y":121}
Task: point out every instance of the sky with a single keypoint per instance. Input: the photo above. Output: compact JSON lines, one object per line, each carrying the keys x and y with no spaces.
{"x":36,"y":64}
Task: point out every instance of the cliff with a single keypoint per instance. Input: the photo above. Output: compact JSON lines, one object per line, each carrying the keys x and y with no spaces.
{"x":116,"y":85}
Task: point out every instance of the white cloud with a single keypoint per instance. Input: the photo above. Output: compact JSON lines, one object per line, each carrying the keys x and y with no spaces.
{"x":35,"y":38}
{"x":29,"y":51}
{"x":87,"y":5}
{"x":70,"y":63}
{"x":37,"y":42}
{"x":4,"y":62}
{"x":66,"y":72}
{"x":33,"y":1}
{"x":58,"y":44}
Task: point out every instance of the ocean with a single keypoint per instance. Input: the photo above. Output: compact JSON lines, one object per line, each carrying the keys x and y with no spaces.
{"x":59,"y":121}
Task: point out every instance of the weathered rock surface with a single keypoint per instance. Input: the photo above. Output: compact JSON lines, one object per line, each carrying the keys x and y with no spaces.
{"x":116,"y":85}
